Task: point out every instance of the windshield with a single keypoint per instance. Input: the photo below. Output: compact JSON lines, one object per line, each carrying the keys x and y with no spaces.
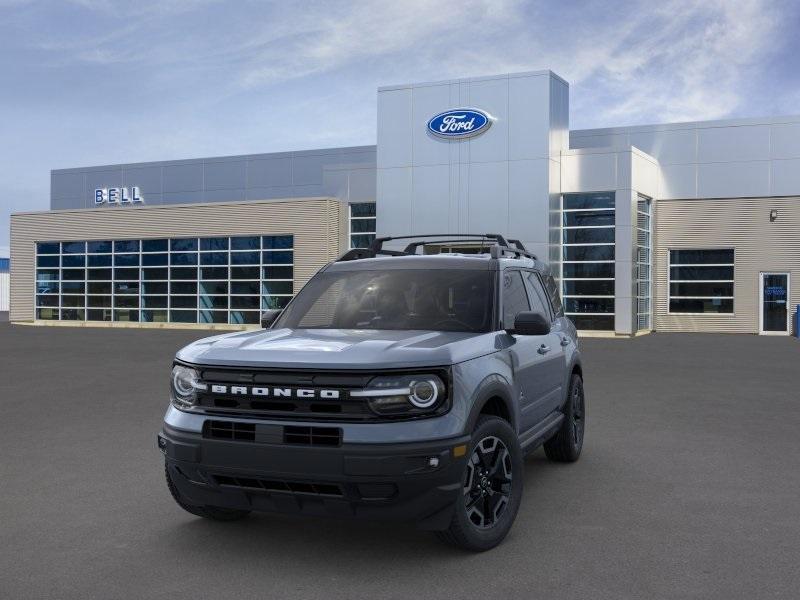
{"x":438,"y":300}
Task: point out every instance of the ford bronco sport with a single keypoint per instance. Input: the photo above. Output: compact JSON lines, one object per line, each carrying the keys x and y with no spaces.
{"x":395,"y":385}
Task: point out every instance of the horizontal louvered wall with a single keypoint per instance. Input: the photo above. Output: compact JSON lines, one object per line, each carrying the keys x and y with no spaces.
{"x":742,"y":224}
{"x":316,"y":223}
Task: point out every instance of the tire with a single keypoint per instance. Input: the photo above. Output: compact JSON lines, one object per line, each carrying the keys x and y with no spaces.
{"x":215,"y":513}
{"x":486,"y":511}
{"x":566,"y":444}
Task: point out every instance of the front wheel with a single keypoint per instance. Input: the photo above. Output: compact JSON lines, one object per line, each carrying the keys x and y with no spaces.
{"x":566,"y":444}
{"x":491,"y":490}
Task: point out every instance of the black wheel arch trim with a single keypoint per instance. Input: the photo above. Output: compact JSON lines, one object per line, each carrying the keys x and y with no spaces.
{"x":494,"y":386}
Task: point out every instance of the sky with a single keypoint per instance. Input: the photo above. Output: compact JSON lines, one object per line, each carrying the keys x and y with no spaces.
{"x":93,"y":82}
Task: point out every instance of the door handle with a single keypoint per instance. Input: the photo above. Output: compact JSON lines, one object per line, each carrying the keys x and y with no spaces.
{"x":543,"y":349}
{"x":565,"y":341}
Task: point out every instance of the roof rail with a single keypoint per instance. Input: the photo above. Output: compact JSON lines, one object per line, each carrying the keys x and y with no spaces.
{"x":498,"y":246}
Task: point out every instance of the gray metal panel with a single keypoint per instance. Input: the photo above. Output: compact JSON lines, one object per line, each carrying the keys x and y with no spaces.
{"x":227,"y":175}
{"x":785,"y":141}
{"x":492,"y":96}
{"x":430,"y":186}
{"x":269,"y":172}
{"x":224,"y":195}
{"x":362,"y":185}
{"x":147,"y":179}
{"x":182,"y":197}
{"x":270,"y":193}
{"x":733,"y":179}
{"x":183,"y":178}
{"x":785,"y":177}
{"x":678,"y":181}
{"x":488,"y":197}
{"x":67,"y":185}
{"x":667,"y":147}
{"x":308,"y":170}
{"x":101,"y":179}
{"x":394,"y":128}
{"x":728,"y":144}
{"x":529,"y":138}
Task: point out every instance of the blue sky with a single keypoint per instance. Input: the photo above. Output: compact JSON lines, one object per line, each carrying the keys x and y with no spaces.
{"x":93,"y":82}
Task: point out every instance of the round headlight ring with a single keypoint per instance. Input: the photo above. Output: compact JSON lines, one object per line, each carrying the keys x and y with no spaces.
{"x":424,"y":393}
{"x":184,"y":384}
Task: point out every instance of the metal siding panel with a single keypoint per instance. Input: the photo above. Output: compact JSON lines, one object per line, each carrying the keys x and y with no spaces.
{"x":742,"y":224}
{"x":315,"y":223}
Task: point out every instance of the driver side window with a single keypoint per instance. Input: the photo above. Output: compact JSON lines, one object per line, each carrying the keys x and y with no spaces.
{"x":515,"y":298}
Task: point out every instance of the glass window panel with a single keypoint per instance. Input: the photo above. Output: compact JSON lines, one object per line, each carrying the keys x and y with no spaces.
{"x":48,"y":314}
{"x":214,"y":258}
{"x":183,"y":273}
{"x":47,"y":261}
{"x":154,"y":260}
{"x":588,"y":270}
{"x":73,"y":287}
{"x":183,"y":316}
{"x":588,"y":218}
{"x":706,"y":305}
{"x":126,"y":260}
{"x":103,"y":287}
{"x":515,"y":298}
{"x":154,"y":245}
{"x":126,"y":287}
{"x":98,"y":301}
{"x":217,"y":243}
{"x":595,"y":322}
{"x":73,"y":260}
{"x":278,"y":272}
{"x":245,"y":243}
{"x":155,"y":301}
{"x":98,"y":247}
{"x":589,"y":305}
{"x":277,"y":242}
{"x":588,"y":253}
{"x":73,"y":301}
{"x":99,"y":274}
{"x":278,"y":258}
{"x":155,"y":316}
{"x":73,"y":274}
{"x":214,"y":272}
{"x":183,"y":301}
{"x":131,"y":316}
{"x":155,"y":274}
{"x":213,"y":316}
{"x":589,"y":288}
{"x":47,"y":274}
{"x":183,"y":258}
{"x":276,"y":287}
{"x":691,"y":273}
{"x":48,"y":300}
{"x":126,"y":274}
{"x":73,"y":247}
{"x":589,"y":236}
{"x":154,"y":287}
{"x":98,"y":314}
{"x":701,"y":289}
{"x":73,"y":314}
{"x":362,"y":209}
{"x":701,"y":257}
{"x":47,"y":247}
{"x":362,"y":225}
{"x":244,"y":287}
{"x":126,"y":245}
{"x":100,"y":260}
{"x":213,"y":287}
{"x":183,"y":245}
{"x":251,"y":302}
{"x":272,"y":302}
{"x":47,"y":287}
{"x":183,"y":287}
{"x":213,"y":302}
{"x":361,"y":241}
{"x":126,"y":301}
{"x":244,"y":258}
{"x":240,"y":317}
{"x":245,"y":272}
{"x":591,"y":200}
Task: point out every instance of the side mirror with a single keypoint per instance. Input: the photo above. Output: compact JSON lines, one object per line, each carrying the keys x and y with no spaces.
{"x":268,"y":317}
{"x":531,"y":323}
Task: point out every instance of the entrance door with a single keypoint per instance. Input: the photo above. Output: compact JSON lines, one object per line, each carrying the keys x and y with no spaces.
{"x":774,"y":301}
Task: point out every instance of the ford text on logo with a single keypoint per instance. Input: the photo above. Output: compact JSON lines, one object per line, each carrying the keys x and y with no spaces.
{"x":117,"y":196}
{"x":460,"y":123}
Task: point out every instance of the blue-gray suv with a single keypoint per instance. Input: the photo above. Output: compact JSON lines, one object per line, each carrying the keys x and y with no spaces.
{"x":404,"y":384}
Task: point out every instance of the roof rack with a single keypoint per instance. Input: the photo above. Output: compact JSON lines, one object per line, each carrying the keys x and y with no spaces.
{"x":498,"y":245}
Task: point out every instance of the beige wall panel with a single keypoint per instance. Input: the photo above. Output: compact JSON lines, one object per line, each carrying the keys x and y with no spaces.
{"x":742,"y":224}
{"x":316,"y":224}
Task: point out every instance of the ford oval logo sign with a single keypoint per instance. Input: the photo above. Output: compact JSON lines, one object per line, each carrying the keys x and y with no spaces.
{"x":459,"y":123}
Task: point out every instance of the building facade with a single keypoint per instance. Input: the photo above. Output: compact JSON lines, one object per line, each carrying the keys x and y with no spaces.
{"x":676,"y":227}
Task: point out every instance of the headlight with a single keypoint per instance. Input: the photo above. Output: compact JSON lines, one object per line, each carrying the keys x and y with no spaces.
{"x":404,"y":395}
{"x":185,"y":383}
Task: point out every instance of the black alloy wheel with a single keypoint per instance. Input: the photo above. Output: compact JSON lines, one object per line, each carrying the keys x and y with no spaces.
{"x":567,"y":443}
{"x":487,"y":482}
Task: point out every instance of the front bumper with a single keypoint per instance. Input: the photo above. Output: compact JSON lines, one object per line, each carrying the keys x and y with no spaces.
{"x":395,"y":482}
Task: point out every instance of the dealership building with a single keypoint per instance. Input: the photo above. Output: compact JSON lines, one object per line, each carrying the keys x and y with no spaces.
{"x":672,"y":227}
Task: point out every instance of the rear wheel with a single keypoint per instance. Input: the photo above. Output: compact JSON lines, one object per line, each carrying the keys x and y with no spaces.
{"x":492,"y":488}
{"x":566,"y":444}
{"x":214,"y":513}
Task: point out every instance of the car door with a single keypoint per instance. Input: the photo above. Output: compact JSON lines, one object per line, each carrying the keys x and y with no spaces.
{"x":528,"y":361}
{"x":555,"y":363}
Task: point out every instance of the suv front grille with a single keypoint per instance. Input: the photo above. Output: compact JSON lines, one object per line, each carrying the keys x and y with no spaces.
{"x":272,"y":434}
{"x":273,"y":485}
{"x":312,"y":436}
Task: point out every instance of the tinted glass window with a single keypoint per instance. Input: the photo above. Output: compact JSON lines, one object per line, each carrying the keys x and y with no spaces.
{"x":536,"y":295}
{"x":515,"y":298}
{"x":458,"y":300}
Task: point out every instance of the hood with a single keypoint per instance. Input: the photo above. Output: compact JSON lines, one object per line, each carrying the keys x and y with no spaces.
{"x":338,"y":348}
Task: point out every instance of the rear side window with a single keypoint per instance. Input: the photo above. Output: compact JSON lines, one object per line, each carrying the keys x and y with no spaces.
{"x":515,"y":299}
{"x":551,"y":287}
{"x":537,"y":295}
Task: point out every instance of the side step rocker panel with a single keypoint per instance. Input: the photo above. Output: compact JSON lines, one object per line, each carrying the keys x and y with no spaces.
{"x":533,"y":438}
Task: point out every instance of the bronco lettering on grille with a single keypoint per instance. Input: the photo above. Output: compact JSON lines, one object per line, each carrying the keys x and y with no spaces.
{"x":275,"y":392}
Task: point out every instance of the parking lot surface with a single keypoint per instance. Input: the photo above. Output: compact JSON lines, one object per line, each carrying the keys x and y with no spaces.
{"x":689,"y":487}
